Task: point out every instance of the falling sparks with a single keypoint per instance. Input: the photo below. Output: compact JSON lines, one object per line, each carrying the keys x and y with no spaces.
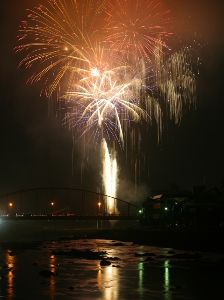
{"x":110,"y":65}
{"x":134,"y":28}
{"x":106,"y":100}
{"x":53,"y":36}
{"x":106,"y":60}
{"x":110,"y":177}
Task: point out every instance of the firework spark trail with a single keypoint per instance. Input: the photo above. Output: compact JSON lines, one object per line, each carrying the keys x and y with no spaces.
{"x":135,"y":27}
{"x":98,"y":55}
{"x":53,"y":37}
{"x":176,"y":81}
{"x":108,"y":62}
{"x":106,"y":97}
{"x":109,"y":176}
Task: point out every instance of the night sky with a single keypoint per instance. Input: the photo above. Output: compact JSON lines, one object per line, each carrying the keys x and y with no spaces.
{"x":36,"y":150}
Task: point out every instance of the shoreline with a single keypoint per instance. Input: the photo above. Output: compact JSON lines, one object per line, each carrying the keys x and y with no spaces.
{"x":183,"y":240}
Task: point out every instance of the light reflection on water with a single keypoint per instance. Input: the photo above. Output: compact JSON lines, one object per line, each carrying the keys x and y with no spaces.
{"x":130,"y":277}
{"x":52,"y":285}
{"x":111,"y":281}
{"x":140,"y":277}
{"x":10,"y":262}
{"x":167,"y":280}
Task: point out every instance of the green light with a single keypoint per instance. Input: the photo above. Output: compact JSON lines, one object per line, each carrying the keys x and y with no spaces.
{"x":167,"y":280}
{"x":140,"y":211}
{"x":141,"y":277}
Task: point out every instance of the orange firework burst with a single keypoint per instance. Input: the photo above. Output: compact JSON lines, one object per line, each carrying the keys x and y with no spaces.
{"x":134,"y":27}
{"x":54,"y":35}
{"x":100,"y":55}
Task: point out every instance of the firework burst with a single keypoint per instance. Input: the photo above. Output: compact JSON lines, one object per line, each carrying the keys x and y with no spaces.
{"x":176,"y":82}
{"x":107,"y":98}
{"x":135,"y":27}
{"x":53,"y":37}
{"x":106,"y":60}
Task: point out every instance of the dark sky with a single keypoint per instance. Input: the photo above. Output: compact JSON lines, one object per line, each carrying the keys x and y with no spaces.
{"x":35,"y":150}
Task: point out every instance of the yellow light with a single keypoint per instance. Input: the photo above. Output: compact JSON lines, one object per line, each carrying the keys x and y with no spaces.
{"x":99,"y":204}
{"x":95,"y":72}
{"x":10,"y":204}
{"x":52,"y":203}
{"x":110,"y":175}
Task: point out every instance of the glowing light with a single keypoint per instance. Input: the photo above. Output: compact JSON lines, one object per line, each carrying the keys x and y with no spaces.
{"x":106,"y":60}
{"x":11,"y":263}
{"x":109,"y":65}
{"x":109,"y":176}
{"x":105,"y":101}
{"x":52,"y":267}
{"x":141,"y":277}
{"x":10,"y":204}
{"x":95,"y":72}
{"x":167,"y":280}
{"x":53,"y":36}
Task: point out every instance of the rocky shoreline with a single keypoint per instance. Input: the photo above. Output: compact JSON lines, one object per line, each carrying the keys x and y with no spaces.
{"x":183,"y":240}
{"x":210,"y":241}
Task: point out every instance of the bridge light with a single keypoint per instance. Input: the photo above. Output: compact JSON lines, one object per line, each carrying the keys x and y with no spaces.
{"x":99,"y":206}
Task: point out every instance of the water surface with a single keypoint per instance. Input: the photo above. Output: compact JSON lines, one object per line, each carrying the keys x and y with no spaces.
{"x":136,"y":272}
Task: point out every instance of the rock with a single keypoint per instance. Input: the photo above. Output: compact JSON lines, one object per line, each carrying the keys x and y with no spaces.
{"x":144,"y":254}
{"x":175,"y":288}
{"x":83,"y":254}
{"x":46,"y":273}
{"x":113,"y":258}
{"x":118,"y":244}
{"x":11,"y":253}
{"x":149,"y":259}
{"x":171,"y":252}
{"x":105,"y":262}
{"x":186,"y":256}
{"x":163,"y":256}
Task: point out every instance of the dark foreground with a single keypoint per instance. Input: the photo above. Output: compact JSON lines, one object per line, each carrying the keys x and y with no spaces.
{"x":132,"y":231}
{"x":56,"y":260}
{"x":107,"y":270}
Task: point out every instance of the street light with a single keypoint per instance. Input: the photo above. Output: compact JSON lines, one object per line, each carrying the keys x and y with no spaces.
{"x":99,"y":206}
{"x":10,"y":208}
{"x":99,"y":222}
{"x":52,"y":204}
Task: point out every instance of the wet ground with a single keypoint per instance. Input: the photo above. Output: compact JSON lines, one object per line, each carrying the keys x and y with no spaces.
{"x":109,"y":270}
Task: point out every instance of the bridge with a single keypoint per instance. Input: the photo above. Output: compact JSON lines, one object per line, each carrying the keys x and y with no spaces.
{"x":64,"y":203}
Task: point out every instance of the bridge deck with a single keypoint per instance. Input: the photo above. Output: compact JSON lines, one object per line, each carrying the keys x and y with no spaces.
{"x":45,"y":217}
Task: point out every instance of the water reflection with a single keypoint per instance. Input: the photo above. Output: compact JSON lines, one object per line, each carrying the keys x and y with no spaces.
{"x":167,"y":279}
{"x":140,"y":277}
{"x":99,"y":277}
{"x":108,"y":282}
{"x":52,"y":286}
{"x":10,"y":261}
